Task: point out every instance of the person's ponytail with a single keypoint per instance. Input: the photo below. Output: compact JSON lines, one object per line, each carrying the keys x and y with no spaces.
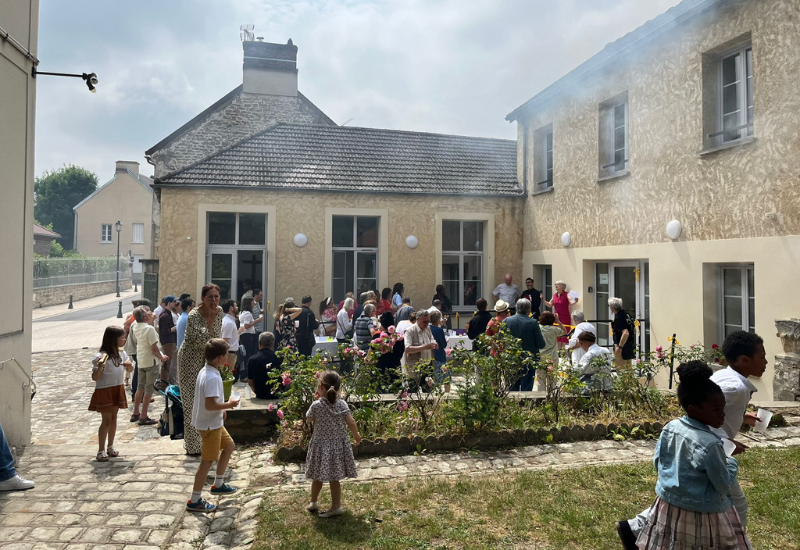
{"x":331,"y":395}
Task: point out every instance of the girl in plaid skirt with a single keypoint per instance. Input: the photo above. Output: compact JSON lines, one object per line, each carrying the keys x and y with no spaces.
{"x":693,"y":508}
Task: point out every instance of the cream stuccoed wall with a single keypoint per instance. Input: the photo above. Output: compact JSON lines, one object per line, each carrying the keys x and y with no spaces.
{"x":18,"y":92}
{"x":297,"y":271}
{"x":123,"y":199}
{"x":679,"y":291}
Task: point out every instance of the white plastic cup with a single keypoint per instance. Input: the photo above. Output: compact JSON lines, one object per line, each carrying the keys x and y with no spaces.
{"x":236,"y":397}
{"x":764,"y":417}
{"x":248,"y":393}
{"x":297,"y":324}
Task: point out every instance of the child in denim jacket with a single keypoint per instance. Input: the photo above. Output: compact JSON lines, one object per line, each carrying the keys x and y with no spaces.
{"x":693,"y":508}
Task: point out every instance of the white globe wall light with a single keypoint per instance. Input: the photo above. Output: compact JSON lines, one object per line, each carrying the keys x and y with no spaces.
{"x":300,"y":240}
{"x":412,"y":241}
{"x":674,"y":229}
{"x":566,"y":239}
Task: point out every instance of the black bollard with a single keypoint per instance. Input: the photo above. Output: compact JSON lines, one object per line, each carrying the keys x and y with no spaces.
{"x":70,"y":302}
{"x":119,"y":313}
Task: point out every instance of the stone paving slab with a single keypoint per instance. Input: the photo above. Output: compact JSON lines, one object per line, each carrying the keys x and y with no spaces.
{"x":137,"y":501}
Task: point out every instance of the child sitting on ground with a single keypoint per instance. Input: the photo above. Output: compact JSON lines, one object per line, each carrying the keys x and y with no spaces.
{"x":208,"y":418}
{"x":109,"y":367}
{"x":330,"y":456}
{"x":692,"y":508}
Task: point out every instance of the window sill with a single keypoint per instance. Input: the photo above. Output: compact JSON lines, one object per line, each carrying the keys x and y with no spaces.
{"x":542,"y":192}
{"x":616,"y":176}
{"x":729,"y":145}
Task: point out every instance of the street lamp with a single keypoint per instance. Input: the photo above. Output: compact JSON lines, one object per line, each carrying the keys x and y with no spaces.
{"x":118,"y":225}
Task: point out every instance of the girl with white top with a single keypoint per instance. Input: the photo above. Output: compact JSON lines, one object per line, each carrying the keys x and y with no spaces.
{"x":108,"y":372}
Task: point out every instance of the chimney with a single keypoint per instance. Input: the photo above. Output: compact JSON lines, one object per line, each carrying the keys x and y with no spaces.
{"x":270,"y":69}
{"x":131,"y":165}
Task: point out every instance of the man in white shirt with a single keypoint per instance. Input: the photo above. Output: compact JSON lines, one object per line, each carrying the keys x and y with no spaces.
{"x":230,"y":332}
{"x":595,"y":366}
{"x":579,"y":321}
{"x":507,"y":291}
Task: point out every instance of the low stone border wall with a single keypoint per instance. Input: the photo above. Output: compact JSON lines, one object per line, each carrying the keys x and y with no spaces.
{"x":54,"y":295}
{"x":480,"y":440}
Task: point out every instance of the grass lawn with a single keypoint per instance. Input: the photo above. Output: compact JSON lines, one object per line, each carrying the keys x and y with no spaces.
{"x":568,"y":509}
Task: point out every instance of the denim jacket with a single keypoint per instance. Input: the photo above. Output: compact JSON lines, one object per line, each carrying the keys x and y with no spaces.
{"x":693,"y":471}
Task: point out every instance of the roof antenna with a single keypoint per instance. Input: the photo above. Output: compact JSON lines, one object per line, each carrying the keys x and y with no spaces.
{"x":348,"y":120}
{"x":246,"y":33}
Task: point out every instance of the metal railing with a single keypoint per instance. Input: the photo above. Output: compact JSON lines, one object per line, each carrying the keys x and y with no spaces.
{"x":49,"y":272}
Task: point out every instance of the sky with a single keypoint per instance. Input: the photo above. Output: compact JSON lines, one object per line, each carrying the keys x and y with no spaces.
{"x":446,"y":66}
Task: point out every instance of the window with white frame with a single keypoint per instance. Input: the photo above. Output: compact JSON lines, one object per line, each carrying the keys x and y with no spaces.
{"x":737,"y":298}
{"x":462,"y":261}
{"x":728,"y":94}
{"x":543,"y":159}
{"x":354,"y":247}
{"x":138,"y":233}
{"x":613,"y":138}
{"x":105,"y":233}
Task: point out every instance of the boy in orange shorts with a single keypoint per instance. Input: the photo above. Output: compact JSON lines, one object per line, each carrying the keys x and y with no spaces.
{"x":208,"y":418}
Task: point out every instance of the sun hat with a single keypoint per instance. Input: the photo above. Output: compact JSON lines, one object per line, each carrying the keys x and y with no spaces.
{"x":500,"y":306}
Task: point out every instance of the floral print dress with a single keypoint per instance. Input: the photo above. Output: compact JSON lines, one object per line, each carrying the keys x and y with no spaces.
{"x":288,"y":337}
{"x":330,"y":455}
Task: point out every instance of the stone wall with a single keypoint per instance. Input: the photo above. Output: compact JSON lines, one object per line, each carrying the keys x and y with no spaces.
{"x":245,"y":115}
{"x":724,"y":195}
{"x":54,"y":295}
{"x":786,"y":384}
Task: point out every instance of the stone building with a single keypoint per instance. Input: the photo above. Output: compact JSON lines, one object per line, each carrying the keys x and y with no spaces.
{"x":668,"y":164}
{"x":19,"y":36}
{"x":42,"y":237}
{"x":302,"y":206}
{"x":128,"y":198}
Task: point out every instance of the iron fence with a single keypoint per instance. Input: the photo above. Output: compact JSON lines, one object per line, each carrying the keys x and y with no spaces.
{"x":48,"y":272}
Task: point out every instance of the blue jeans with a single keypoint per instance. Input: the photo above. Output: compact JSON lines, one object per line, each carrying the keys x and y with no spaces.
{"x":7,"y":470}
{"x":525,"y":383}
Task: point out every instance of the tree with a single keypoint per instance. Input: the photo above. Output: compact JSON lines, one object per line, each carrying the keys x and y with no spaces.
{"x":54,"y":195}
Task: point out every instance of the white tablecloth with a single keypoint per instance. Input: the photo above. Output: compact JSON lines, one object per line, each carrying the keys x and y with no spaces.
{"x":459,"y":342}
{"x":327,"y":346}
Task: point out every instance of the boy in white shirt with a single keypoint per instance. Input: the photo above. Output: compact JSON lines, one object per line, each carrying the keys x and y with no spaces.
{"x":208,"y":418}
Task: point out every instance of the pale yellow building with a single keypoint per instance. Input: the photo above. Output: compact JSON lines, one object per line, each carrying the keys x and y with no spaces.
{"x":127,"y":198}
{"x":664,"y":170}
{"x":263,"y":188}
{"x":19,"y":24}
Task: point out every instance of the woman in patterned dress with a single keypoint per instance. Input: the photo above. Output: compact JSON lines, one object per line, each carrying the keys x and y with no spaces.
{"x":285,"y":316}
{"x":560,"y":303}
{"x":204,"y":323}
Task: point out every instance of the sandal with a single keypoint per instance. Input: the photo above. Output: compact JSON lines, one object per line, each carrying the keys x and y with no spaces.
{"x":102,"y":456}
{"x":135,"y":417}
{"x":147,"y":422}
{"x":112,"y":452}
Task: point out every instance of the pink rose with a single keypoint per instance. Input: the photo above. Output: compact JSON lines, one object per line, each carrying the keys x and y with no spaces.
{"x":444,"y":368}
{"x":376,"y":341}
{"x":391,"y":329}
{"x":384,"y":335}
{"x":405,"y":395}
{"x":280,"y":414}
{"x":270,"y":407}
{"x":402,"y":406}
{"x":659,"y":348}
{"x":316,"y":375}
{"x":448,"y":351}
{"x":550,"y":368}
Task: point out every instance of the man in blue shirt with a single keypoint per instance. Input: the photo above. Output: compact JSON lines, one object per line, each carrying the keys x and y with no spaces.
{"x":187,"y":305}
{"x":527,"y":330}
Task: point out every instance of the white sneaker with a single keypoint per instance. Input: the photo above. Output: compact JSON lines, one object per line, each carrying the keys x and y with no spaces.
{"x":331,"y":513}
{"x":313,"y":507}
{"x":16,"y":483}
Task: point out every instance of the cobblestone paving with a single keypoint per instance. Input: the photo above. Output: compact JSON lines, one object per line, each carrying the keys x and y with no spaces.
{"x":137,"y":500}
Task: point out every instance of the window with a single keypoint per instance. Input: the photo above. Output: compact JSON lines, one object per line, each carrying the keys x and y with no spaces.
{"x":105,"y":235}
{"x":728,"y":89}
{"x":613,"y":157}
{"x":138,"y":233}
{"x":543,"y":159}
{"x":462,"y":261}
{"x":236,"y":252}
{"x":355,"y":255}
{"x":737,"y":285}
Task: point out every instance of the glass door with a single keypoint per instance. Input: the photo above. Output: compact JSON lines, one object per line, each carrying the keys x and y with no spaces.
{"x":219,"y":270}
{"x":626,"y":281}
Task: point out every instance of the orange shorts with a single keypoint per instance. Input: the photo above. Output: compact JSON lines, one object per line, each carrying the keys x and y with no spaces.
{"x":213,"y":441}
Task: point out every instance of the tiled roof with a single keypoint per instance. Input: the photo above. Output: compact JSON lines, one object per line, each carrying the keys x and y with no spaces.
{"x":630,"y":42}
{"x":341,"y":158}
{"x":40,"y":231}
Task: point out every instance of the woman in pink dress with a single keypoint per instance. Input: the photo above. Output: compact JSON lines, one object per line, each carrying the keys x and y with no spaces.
{"x":560,"y":304}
